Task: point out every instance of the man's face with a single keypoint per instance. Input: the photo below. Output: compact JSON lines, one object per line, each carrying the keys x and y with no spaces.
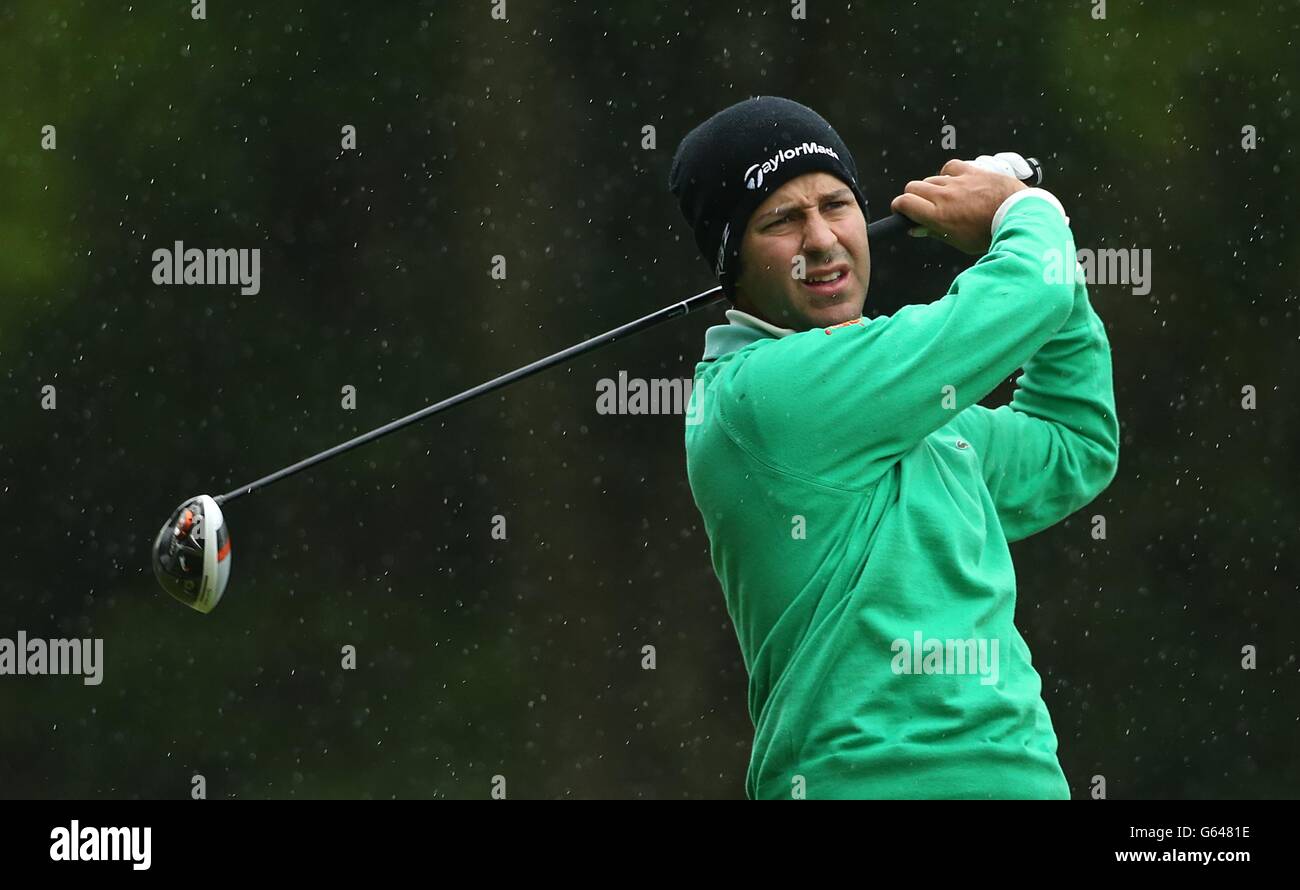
{"x":813,"y":216}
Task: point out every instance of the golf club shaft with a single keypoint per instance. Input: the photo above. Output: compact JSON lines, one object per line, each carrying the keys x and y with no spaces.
{"x":888,"y":227}
{"x":676,"y":310}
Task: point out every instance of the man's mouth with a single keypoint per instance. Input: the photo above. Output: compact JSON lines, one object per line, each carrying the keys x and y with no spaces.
{"x":827,"y":281}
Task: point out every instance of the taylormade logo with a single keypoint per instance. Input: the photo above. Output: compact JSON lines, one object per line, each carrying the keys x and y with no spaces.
{"x":77,"y":844}
{"x":754,"y":175}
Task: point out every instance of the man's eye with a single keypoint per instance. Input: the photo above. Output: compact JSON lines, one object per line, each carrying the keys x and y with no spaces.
{"x":838,"y":204}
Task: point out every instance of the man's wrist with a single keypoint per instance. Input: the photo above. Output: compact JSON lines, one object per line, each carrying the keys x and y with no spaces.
{"x":1020,"y":195}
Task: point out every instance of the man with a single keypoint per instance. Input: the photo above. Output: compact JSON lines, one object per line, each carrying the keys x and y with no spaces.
{"x":858,"y":501}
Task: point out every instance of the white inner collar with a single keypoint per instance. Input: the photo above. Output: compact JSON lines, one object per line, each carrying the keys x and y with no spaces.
{"x":736,"y":316}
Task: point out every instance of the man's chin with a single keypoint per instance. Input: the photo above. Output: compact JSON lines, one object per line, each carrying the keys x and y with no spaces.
{"x":821,"y":312}
{"x":832,"y":311}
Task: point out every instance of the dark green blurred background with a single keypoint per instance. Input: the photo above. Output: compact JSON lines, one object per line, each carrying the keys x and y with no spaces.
{"x":522,"y":138}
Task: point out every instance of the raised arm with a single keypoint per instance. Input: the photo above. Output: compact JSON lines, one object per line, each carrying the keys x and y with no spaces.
{"x":840,"y":405}
{"x":1055,"y":447}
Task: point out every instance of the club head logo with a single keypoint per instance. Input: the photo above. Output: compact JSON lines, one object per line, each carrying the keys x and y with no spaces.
{"x":754,"y":177}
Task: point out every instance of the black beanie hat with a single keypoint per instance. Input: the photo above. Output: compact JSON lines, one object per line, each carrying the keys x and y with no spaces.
{"x":729,"y":164}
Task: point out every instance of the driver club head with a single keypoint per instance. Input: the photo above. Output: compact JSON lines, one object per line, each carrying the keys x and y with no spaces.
{"x":191,"y":555}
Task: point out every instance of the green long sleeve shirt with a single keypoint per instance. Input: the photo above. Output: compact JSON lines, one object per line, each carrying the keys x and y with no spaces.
{"x":859,"y":504}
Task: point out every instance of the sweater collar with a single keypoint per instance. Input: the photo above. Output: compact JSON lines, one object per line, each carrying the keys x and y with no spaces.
{"x":741,"y":330}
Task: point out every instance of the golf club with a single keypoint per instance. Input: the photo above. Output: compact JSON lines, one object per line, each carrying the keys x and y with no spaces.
{"x":192,"y":553}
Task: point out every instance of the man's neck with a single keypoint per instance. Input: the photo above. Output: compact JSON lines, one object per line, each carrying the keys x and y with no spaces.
{"x":741,"y":305}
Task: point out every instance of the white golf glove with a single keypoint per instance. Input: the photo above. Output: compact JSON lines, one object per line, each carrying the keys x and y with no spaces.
{"x":1007,"y":163}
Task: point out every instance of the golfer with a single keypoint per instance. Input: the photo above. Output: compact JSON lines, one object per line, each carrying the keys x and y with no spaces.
{"x":858,"y":500}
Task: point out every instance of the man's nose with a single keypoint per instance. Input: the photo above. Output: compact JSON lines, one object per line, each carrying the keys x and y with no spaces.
{"x":817,"y":235}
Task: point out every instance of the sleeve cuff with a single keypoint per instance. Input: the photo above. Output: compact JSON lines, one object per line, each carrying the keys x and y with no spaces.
{"x":1013,"y":199}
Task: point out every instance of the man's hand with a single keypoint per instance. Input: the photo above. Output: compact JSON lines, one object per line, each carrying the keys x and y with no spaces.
{"x":957,"y":206}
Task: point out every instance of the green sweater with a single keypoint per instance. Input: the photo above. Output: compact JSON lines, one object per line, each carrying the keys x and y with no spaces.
{"x":859,"y":503}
